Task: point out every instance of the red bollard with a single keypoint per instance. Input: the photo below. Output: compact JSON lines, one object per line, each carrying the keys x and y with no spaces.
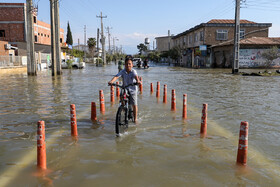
{"x":112,"y":94}
{"x":102,"y":101}
{"x":184,"y":106}
{"x":117,"y":90}
{"x":158,"y":91}
{"x":41,"y":146}
{"x":203,"y":127}
{"x":73,"y":117}
{"x":173,"y":100}
{"x":243,"y":143}
{"x":141,"y":85}
{"x":165,"y":93}
{"x":152,"y":88}
{"x":93,"y":111}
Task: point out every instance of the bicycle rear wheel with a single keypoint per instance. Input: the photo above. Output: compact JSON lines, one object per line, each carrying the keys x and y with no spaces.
{"x":121,"y":121}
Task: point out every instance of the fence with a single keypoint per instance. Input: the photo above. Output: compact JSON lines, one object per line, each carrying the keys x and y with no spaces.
{"x":12,"y":61}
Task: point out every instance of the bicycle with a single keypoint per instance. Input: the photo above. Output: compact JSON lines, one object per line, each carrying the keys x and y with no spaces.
{"x":125,"y":112}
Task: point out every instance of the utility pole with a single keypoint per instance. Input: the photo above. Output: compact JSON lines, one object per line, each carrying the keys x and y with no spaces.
{"x":31,"y":65}
{"x":109,"y":37}
{"x":78,"y":43}
{"x":102,"y":38}
{"x":98,"y":42}
{"x":85,"y":41}
{"x":235,"y":66}
{"x":53,"y":43}
{"x":57,"y":37}
{"x":114,"y":46}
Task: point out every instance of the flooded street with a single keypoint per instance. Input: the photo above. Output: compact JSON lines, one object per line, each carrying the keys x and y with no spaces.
{"x":161,"y":150}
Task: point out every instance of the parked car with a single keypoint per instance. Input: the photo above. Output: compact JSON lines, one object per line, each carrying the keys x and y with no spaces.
{"x":75,"y":64}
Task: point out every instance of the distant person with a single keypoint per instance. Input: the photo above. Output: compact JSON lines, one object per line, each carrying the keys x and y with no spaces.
{"x":145,"y":64}
{"x":121,"y":64}
{"x":139,"y":63}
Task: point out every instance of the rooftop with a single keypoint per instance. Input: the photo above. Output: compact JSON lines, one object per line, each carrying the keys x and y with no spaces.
{"x":253,"y":41}
{"x":230,"y":21}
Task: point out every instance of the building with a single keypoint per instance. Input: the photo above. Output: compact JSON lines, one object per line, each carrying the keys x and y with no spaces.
{"x":13,"y":29}
{"x":164,"y":43}
{"x":250,"y":53}
{"x":195,"y":43}
{"x":13,"y":25}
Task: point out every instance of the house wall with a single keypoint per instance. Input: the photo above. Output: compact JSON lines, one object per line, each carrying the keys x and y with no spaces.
{"x":249,"y":56}
{"x":12,"y":21}
{"x":210,"y":33}
{"x":3,"y":51}
{"x":163,"y":42}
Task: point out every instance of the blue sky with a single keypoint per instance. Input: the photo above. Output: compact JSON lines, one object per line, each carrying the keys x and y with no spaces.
{"x":132,"y":21}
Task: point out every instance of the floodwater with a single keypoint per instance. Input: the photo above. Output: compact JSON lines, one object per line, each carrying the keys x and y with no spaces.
{"x":161,"y":150}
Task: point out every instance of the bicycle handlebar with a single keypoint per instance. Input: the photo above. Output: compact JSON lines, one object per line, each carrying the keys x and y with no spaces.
{"x":114,"y":84}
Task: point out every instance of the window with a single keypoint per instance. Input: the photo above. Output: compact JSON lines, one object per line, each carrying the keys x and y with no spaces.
{"x":201,"y":36}
{"x":195,"y":37}
{"x":242,"y":33}
{"x":36,"y":38}
{"x":34,"y":19}
{"x":184,"y":40}
{"x":60,"y":40}
{"x":190,"y":39}
{"x":41,"y":34}
{"x":2,"y":33}
{"x":222,"y":34}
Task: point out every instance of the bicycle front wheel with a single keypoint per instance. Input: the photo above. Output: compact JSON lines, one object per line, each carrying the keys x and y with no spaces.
{"x":121,"y":121}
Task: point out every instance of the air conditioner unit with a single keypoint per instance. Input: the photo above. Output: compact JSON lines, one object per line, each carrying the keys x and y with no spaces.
{"x":8,"y":46}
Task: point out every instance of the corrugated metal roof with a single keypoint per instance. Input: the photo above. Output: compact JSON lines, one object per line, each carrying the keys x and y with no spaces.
{"x":253,"y":41}
{"x":231,"y":21}
{"x":260,"y":41}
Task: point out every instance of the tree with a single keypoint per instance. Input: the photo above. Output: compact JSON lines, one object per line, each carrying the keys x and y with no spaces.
{"x":174,"y":53}
{"x":69,"y":39}
{"x":91,"y":45}
{"x":154,"y":56}
{"x":270,"y":55}
{"x":142,"y":47}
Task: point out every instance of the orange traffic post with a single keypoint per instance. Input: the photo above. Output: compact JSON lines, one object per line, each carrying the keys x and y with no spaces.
{"x":152,"y":88}
{"x":73,"y":117}
{"x":141,"y":85}
{"x":102,"y":101}
{"x":117,"y":90}
{"x":165,"y":93}
{"x":243,"y":143}
{"x":112,"y":94}
{"x":184,"y":106}
{"x":93,"y":111}
{"x":173,"y":100}
{"x":203,"y":127}
{"x":41,"y":146}
{"x":158,"y":91}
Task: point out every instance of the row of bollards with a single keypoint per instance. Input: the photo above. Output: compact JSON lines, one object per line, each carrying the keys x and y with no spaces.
{"x":41,"y":144}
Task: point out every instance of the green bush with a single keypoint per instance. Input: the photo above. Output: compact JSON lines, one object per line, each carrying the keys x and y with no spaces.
{"x":69,"y":63}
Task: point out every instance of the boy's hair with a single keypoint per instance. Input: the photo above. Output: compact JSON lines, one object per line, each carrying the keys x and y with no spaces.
{"x":127,"y":58}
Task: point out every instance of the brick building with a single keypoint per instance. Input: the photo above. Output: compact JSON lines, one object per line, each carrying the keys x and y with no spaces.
{"x":13,"y":25}
{"x":195,"y":43}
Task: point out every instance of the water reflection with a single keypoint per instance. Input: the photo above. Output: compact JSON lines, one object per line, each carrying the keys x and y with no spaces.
{"x":161,"y":150}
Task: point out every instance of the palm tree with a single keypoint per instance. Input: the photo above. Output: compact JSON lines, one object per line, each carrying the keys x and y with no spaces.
{"x":91,"y":45}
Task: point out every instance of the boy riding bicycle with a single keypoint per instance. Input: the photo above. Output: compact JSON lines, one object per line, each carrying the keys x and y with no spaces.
{"x":129,"y":75}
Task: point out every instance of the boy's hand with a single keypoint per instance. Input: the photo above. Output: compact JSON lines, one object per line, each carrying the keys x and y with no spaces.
{"x":110,"y":83}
